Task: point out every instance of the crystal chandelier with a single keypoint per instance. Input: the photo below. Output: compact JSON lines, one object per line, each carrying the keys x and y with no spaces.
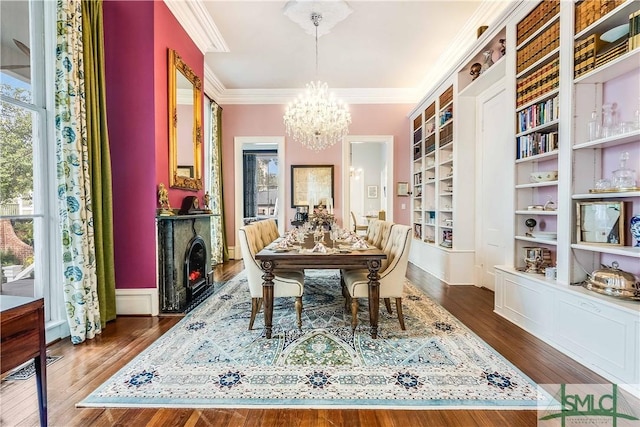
{"x":316,"y":119}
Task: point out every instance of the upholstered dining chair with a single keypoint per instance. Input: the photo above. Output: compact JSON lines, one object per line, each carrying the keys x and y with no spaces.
{"x":288,"y":283}
{"x":392,"y":277}
{"x":378,"y":233}
{"x":357,"y":227}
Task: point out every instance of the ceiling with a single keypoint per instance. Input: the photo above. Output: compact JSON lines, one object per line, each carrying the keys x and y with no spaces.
{"x":382,"y":52}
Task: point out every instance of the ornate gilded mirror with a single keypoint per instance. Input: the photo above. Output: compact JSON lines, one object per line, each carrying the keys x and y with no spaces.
{"x":185,"y":131}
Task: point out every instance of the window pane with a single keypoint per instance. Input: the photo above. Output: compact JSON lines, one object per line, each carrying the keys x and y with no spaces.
{"x":15,"y":53}
{"x":16,"y":257}
{"x":267,"y":182}
{"x":16,"y":153}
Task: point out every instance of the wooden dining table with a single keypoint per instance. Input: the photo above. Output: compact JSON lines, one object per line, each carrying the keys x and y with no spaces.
{"x":370,"y":259}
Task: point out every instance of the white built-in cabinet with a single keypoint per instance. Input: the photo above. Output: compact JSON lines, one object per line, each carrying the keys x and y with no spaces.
{"x":551,"y":92}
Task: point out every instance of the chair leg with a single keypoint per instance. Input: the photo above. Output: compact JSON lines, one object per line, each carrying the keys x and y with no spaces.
{"x":387,"y":303}
{"x":354,"y":313}
{"x":299,"y":311}
{"x":255,"y":307}
{"x":400,"y":315}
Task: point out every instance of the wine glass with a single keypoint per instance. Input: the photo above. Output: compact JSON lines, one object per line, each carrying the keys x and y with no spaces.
{"x":334,"y":233}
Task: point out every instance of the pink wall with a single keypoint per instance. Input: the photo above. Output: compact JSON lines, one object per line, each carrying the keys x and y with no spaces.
{"x":137,"y":35}
{"x":266,"y":120}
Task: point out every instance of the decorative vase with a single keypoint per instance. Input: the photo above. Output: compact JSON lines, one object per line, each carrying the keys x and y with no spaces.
{"x":488,"y":59}
{"x":634,"y":226}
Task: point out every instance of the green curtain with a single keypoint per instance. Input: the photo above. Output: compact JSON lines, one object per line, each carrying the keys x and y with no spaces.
{"x":219,"y":245}
{"x":99,"y":155}
{"x":73,"y":178}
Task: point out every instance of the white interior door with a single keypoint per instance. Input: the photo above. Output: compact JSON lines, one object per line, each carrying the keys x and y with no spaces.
{"x":494,"y":150}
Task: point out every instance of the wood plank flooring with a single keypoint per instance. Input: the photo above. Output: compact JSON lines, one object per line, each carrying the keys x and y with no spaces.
{"x":84,"y":367}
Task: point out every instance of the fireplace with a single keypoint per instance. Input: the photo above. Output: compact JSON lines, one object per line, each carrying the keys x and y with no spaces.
{"x":184,"y":262}
{"x":195,"y":268}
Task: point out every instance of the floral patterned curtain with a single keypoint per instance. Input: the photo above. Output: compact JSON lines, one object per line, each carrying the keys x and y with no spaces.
{"x":74,"y":183}
{"x":218,"y":238}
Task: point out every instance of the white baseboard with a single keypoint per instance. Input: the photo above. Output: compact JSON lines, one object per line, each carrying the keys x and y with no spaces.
{"x":143,"y":301}
{"x":232,"y":252}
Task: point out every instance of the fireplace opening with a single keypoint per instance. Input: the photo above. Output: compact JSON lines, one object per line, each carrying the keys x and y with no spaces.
{"x":195,"y":268}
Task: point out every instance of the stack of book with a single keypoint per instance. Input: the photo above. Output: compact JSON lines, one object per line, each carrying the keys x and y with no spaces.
{"x":584,"y":52}
{"x":612,"y":52}
{"x":536,"y":18}
{"x":537,"y":84}
{"x":538,"y":47}
{"x":446,"y":134}
{"x":589,"y":11}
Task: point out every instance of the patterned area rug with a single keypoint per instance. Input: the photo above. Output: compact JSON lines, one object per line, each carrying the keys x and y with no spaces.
{"x":209,"y":359}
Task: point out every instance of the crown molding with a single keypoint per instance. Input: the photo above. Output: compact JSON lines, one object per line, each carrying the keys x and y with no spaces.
{"x":213,"y":87}
{"x":348,"y":96}
{"x":197,"y":22}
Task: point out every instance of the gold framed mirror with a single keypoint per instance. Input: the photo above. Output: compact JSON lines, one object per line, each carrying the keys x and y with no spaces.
{"x":185,"y":130}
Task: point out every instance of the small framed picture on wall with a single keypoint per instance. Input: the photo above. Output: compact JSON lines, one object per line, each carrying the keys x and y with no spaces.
{"x":403,"y":189}
{"x":372,"y":191}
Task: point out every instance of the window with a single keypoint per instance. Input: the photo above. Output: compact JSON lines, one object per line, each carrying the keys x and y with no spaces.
{"x":29,"y":247}
{"x":260,"y":183}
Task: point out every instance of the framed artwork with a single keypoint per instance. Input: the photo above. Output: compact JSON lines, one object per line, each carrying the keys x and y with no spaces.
{"x":402,"y":189}
{"x":600,"y":223}
{"x":311,"y":184}
{"x":372,"y":191}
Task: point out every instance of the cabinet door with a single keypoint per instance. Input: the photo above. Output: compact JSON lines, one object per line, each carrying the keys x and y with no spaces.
{"x":597,"y":335}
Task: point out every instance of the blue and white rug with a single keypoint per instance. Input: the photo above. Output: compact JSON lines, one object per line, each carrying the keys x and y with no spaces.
{"x":210,"y":359}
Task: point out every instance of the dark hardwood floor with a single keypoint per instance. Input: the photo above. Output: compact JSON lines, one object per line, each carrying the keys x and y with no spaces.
{"x":84,"y":367}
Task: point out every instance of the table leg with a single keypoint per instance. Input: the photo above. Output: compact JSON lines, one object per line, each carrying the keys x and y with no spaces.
{"x":374,"y":296}
{"x":267,"y":295}
{"x":40,"y":363}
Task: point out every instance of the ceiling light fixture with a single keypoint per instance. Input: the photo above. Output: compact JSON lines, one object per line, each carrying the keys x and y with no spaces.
{"x":316,"y":119}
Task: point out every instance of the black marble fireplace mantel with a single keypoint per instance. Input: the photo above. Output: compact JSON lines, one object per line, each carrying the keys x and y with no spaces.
{"x":176,"y":235}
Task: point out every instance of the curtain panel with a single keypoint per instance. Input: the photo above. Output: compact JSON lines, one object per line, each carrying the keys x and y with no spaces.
{"x":83,"y":171}
{"x":219,"y":248}
{"x":73,"y":180}
{"x":250,"y":185}
{"x":99,"y":156}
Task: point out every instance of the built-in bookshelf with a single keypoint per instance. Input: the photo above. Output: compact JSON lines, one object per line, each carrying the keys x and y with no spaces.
{"x":560,"y":71}
{"x":536,"y":141}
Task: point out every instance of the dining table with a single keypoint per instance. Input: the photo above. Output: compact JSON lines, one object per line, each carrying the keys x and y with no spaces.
{"x":302,"y":258}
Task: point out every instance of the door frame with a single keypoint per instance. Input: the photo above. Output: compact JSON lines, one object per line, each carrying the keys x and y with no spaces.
{"x":388,"y":140}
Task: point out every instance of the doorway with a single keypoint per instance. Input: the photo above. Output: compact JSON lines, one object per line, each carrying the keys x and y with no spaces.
{"x":259,"y":144}
{"x":367,"y":177}
{"x":492,"y":150}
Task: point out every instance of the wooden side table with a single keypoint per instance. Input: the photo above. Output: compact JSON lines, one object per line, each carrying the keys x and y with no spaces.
{"x":22,"y":338}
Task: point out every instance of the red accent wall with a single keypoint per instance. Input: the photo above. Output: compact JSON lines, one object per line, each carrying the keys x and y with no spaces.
{"x":266,"y":120}
{"x":137,"y":35}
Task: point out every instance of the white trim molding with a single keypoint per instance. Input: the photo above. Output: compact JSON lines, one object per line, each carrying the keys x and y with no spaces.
{"x":140,"y":301}
{"x":349,"y":96}
{"x":197,"y":22}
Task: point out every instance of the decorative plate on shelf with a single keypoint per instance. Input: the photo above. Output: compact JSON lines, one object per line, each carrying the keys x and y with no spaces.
{"x":615,"y":33}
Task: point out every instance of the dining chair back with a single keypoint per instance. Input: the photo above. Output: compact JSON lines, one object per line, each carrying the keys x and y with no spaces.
{"x":357,"y":227}
{"x":392,"y":277}
{"x":288,"y":283}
